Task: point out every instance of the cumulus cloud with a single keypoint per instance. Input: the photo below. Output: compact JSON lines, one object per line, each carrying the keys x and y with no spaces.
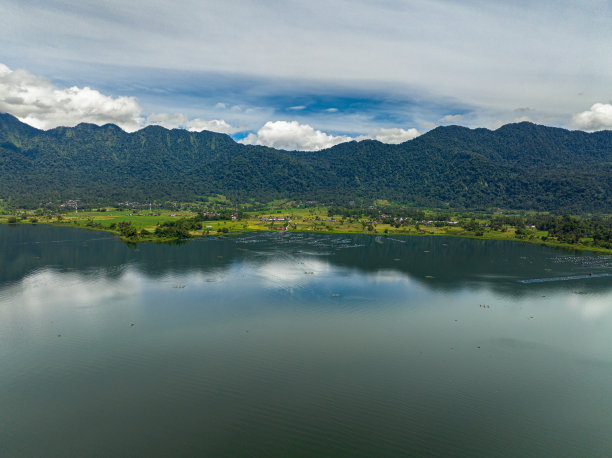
{"x":291,"y":135}
{"x":393,"y":136}
{"x":40,"y":103}
{"x":180,"y":121}
{"x":598,"y":117}
{"x":214,"y":125}
{"x":450,"y":118}
{"x":37,"y":101}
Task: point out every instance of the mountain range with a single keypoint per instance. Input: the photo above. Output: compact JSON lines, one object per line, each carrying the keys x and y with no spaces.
{"x":519,"y":166}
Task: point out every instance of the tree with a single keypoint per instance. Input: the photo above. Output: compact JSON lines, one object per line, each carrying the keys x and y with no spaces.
{"x":127,"y":229}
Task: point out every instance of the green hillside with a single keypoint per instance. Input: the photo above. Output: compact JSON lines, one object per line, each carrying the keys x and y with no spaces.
{"x":517,"y":166}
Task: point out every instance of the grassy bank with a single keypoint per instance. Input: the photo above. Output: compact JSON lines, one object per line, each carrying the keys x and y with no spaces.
{"x":145,"y":225}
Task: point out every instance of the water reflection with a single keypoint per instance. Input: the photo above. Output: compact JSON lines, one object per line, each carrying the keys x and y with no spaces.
{"x":286,"y":260}
{"x":297,"y":344}
{"x":47,"y":265}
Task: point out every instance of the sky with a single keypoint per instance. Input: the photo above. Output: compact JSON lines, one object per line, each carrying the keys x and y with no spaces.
{"x":308,"y":74}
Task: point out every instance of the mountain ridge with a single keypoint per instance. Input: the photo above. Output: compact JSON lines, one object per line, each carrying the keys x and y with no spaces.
{"x":451,"y":127}
{"x":521,"y":165}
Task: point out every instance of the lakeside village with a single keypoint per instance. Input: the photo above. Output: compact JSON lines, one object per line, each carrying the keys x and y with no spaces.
{"x":384,"y":218}
{"x":152,"y":221}
{"x":279,"y":222}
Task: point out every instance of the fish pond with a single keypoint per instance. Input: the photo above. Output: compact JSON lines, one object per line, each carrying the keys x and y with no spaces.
{"x":286,"y":344}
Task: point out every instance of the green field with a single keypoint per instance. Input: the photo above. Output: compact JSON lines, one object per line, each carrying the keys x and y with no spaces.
{"x":281,"y":216}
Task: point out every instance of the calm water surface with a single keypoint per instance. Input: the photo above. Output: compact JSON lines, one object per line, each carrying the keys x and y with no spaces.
{"x":301,"y":345}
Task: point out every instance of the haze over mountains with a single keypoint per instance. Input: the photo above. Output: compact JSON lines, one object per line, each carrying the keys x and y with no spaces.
{"x":521,"y":166}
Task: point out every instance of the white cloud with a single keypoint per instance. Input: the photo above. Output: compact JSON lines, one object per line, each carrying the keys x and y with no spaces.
{"x":42,"y":104}
{"x":332,"y":110}
{"x":394,"y":136}
{"x":169,"y":121}
{"x":215,"y":125}
{"x":180,"y":121}
{"x":597,"y":118}
{"x":298,"y":107}
{"x":451,"y":118}
{"x":291,"y":135}
{"x":522,"y":119}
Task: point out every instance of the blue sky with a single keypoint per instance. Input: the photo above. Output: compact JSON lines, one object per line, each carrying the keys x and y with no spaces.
{"x":307,"y":74}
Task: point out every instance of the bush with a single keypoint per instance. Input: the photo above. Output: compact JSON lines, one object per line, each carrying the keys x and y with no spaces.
{"x":127,"y":229}
{"x":520,"y":233}
{"x":12,"y":220}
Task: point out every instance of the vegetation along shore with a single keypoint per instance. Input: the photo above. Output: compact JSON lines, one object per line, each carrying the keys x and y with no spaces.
{"x":145,"y":223}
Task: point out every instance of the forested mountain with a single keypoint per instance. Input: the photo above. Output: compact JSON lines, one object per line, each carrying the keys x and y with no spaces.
{"x":520,"y":165}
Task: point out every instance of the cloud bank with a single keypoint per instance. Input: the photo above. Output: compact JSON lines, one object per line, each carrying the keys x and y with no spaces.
{"x":182,"y":57}
{"x":38,"y":102}
{"x":598,"y":117}
{"x":291,"y":135}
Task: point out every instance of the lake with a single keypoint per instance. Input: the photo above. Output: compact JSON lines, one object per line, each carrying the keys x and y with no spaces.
{"x":279,"y":344}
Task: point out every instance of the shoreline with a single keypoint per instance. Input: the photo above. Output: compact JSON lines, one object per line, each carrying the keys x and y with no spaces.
{"x":488,"y":235}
